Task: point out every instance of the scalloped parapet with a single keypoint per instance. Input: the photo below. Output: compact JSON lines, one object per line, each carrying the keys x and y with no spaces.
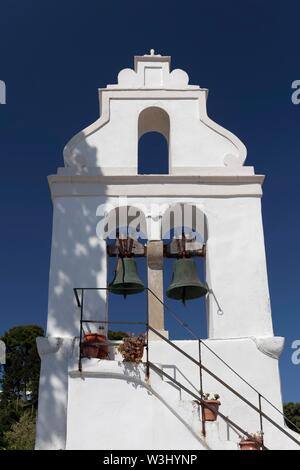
{"x":153,"y":72}
{"x":153,"y":98}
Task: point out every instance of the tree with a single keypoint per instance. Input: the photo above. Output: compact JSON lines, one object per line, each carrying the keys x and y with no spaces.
{"x":22,"y":433}
{"x":9,"y":413}
{"x":292,"y":412}
{"x":22,"y":369}
{"x":19,"y":381}
{"x":116,"y":335}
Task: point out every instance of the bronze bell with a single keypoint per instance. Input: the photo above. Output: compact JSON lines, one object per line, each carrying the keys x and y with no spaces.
{"x":126,"y":280}
{"x":185,"y":284}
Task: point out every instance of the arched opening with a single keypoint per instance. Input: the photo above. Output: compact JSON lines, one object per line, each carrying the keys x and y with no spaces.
{"x":153,"y":145}
{"x":126,"y":222}
{"x":153,"y":154}
{"x":188,"y":219}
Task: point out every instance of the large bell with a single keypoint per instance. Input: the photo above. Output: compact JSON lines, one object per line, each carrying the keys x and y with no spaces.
{"x":126,"y":280}
{"x":185,"y":284}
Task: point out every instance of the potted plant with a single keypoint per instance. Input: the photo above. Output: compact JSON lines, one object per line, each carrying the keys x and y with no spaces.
{"x":94,"y":345}
{"x":254,"y":442}
{"x":210,"y":413}
{"x":132,"y":348}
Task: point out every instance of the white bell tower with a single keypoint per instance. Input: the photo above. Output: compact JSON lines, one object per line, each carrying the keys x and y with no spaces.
{"x":207,"y":172}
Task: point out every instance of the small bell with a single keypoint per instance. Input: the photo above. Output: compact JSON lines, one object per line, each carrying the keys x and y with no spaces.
{"x":126,"y":280}
{"x":185,"y":284}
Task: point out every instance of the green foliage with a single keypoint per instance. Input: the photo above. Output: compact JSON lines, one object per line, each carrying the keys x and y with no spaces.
{"x":9,"y":414}
{"x":22,"y":433}
{"x":116,"y":335}
{"x":21,"y":375}
{"x":292,"y":412}
{"x":22,"y":367}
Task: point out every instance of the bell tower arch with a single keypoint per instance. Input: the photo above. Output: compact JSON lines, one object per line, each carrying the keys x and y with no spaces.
{"x":154,"y":119}
{"x":154,"y":132}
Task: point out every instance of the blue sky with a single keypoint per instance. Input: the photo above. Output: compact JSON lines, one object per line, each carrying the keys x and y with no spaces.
{"x":53,"y":57}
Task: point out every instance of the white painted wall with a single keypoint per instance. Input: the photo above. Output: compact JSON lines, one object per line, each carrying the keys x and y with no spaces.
{"x":53,"y":395}
{"x":78,"y":259}
{"x":116,"y":143}
{"x":236,"y":269}
{"x":125,"y":413}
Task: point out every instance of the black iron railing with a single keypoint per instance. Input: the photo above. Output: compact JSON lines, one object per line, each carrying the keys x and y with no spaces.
{"x":80,"y":304}
{"x":260,"y":396}
{"x":199,"y":363}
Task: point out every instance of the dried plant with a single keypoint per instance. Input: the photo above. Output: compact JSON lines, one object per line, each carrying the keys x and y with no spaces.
{"x":208,"y":396}
{"x":255,"y":436}
{"x":132,"y":348}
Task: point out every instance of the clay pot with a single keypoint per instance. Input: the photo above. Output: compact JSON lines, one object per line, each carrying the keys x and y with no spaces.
{"x":249,"y":445}
{"x":210,"y":414}
{"x":94,"y":345}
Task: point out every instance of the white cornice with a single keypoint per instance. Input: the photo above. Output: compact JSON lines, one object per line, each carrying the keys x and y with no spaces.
{"x":158,"y":179}
{"x":156,"y":186}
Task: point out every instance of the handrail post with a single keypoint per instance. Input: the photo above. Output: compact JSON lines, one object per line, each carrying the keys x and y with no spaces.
{"x":147,"y":339}
{"x":261,"y":420}
{"x":80,"y":332}
{"x":201,"y":389}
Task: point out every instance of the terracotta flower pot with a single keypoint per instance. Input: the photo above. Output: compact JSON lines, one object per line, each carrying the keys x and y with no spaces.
{"x":94,"y":345}
{"x":249,"y":445}
{"x":93,"y":337}
{"x":211,"y":413}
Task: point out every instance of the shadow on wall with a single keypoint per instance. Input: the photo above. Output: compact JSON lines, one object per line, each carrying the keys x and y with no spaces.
{"x":78,"y":259}
{"x":134,"y":377}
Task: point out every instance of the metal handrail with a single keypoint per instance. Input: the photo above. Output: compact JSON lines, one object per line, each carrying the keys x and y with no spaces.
{"x":198,"y":363}
{"x":187,"y":328}
{"x":202,"y":402}
{"x":82,"y":321}
{"x":231,"y":389}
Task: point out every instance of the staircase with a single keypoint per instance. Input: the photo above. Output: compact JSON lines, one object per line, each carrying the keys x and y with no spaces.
{"x":188,"y":411}
{"x":158,"y":405}
{"x":210,"y":430}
